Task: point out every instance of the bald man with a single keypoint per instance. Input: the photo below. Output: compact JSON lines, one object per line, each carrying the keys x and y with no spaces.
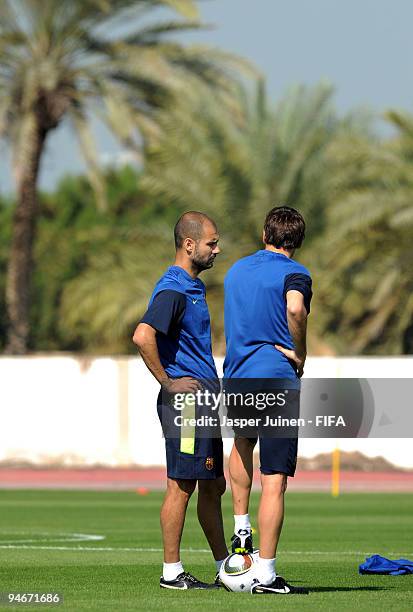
{"x":174,"y":340}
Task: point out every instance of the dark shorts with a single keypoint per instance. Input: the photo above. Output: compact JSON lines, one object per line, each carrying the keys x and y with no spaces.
{"x":278,"y":455}
{"x":206,"y":463}
{"x":193,"y":458}
{"x":277,"y":445}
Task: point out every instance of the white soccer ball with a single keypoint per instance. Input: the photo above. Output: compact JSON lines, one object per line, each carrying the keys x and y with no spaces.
{"x":238,"y":572}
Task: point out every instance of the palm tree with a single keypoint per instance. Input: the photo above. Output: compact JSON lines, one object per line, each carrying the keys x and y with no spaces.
{"x":63,"y":59}
{"x":246,"y":159}
{"x":365,"y":292}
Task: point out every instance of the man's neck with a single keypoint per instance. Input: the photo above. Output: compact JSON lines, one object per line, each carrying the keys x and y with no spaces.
{"x":181,"y":262}
{"x":270,"y":247}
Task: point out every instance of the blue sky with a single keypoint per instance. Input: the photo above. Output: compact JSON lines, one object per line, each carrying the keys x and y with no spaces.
{"x":364,"y":47}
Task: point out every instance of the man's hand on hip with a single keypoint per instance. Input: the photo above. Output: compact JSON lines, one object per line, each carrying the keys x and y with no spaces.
{"x":186,"y":384}
{"x":291,"y":354}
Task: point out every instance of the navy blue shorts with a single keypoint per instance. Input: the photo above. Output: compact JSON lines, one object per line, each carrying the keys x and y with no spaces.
{"x":206,"y":463}
{"x":277,"y":455}
{"x":193,"y":459}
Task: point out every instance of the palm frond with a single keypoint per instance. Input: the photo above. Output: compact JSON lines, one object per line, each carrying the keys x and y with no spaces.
{"x":88,"y":148}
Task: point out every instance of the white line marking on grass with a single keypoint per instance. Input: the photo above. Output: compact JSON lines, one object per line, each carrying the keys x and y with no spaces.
{"x":193,"y":550}
{"x":55,"y":537}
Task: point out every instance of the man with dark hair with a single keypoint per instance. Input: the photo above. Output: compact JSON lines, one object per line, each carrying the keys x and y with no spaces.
{"x":267,"y":301}
{"x":284,"y":228}
{"x":174,"y":340}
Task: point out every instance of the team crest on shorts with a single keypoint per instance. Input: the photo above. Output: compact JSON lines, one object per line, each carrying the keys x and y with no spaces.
{"x":209,"y":463}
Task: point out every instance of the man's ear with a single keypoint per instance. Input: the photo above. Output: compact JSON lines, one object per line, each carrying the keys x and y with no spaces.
{"x":189,"y":245}
{"x":263,"y":236}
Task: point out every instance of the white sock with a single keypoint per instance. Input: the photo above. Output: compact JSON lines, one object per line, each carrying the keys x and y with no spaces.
{"x":219,"y":563}
{"x":172,"y":570}
{"x":242,"y":521}
{"x":265,"y":571}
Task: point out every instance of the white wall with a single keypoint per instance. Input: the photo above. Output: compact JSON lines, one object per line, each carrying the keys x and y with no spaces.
{"x":397,"y":450}
{"x":103,"y":410}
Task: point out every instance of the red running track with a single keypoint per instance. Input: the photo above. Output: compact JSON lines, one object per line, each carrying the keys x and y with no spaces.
{"x":154,"y":479}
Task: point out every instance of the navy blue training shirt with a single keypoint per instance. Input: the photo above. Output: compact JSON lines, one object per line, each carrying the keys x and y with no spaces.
{"x":256,"y":314}
{"x":179,"y":313}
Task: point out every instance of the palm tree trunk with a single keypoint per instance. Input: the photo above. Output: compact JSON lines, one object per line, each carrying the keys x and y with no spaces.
{"x":20,"y":264}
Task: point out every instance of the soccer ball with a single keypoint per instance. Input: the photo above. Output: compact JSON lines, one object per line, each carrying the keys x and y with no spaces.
{"x":237,"y":572}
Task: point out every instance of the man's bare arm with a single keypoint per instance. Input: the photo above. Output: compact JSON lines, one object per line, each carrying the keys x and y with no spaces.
{"x":297,"y":321}
{"x":297,"y":324}
{"x":145,"y":339}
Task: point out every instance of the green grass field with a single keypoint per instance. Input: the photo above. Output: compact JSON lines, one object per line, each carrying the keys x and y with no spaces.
{"x":323,"y":542}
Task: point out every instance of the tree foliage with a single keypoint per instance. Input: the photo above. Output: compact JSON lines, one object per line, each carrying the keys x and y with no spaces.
{"x":207,"y":143}
{"x":365,"y":259}
{"x":68,"y":59}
